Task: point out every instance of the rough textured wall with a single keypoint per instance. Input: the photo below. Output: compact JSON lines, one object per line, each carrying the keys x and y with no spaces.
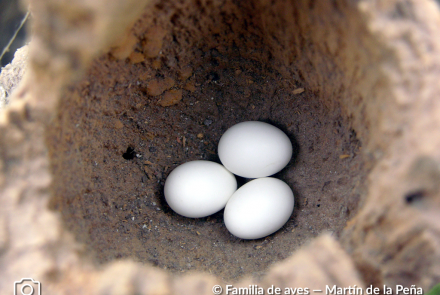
{"x":12,"y":74}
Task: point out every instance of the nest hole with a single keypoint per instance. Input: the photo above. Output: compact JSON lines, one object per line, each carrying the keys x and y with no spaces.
{"x":113,"y":142}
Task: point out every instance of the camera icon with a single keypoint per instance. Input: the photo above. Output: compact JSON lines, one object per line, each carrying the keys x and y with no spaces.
{"x":27,"y":287}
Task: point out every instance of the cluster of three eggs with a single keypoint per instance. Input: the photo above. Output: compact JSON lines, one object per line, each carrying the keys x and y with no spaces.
{"x":260,"y":207}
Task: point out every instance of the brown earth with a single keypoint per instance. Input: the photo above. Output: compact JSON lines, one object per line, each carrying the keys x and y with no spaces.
{"x":110,"y":165}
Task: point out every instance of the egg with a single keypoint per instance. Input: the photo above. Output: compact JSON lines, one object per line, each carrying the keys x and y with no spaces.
{"x":199,"y":188}
{"x":259,"y":208}
{"x":254,"y":149}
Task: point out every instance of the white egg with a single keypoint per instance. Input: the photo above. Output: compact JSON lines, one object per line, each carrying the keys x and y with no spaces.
{"x":254,"y":149}
{"x":199,"y":188}
{"x":259,"y":208}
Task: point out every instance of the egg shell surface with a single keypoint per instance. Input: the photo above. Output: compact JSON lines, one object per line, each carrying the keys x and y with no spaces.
{"x":199,"y":188}
{"x":259,"y":208}
{"x":254,"y":149}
